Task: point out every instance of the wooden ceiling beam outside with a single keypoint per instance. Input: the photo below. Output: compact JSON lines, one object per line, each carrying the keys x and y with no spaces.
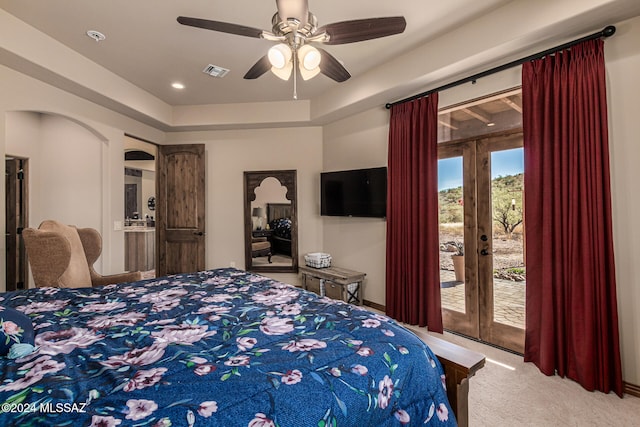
{"x":479,"y":101}
{"x":477,"y":115}
{"x":448,"y":125}
{"x":512,"y":104}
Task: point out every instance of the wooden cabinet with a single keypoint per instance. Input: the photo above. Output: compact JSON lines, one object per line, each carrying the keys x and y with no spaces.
{"x":334,"y":282}
{"x":139,"y":249}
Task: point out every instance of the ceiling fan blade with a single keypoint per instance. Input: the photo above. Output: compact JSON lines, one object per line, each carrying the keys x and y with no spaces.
{"x":332,"y":68}
{"x":363,"y":29}
{"x":223,"y":27}
{"x":259,"y":68}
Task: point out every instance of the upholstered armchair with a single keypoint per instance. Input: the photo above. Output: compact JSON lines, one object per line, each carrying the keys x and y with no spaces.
{"x":63,"y":256}
{"x":260,"y":246}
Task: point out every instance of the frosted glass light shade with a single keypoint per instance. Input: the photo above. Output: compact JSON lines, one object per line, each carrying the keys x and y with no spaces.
{"x":279,"y":55}
{"x":309,"y":74}
{"x":283,"y":73}
{"x":309,"y":57}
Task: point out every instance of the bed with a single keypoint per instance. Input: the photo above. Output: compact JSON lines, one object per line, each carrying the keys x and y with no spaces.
{"x":221,"y":347}
{"x":279,"y":220}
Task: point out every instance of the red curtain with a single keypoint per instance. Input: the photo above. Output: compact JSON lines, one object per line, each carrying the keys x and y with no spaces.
{"x":413,"y":266}
{"x":571,"y":316}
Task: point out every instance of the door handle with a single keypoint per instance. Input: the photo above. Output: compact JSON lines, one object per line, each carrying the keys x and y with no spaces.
{"x":485,"y":252}
{"x":198,"y":233}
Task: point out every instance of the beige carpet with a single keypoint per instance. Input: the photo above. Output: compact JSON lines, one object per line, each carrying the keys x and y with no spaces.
{"x":509,"y":392}
{"x":276,"y":260}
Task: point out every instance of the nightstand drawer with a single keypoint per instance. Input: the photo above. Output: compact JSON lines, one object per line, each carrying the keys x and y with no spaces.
{"x":332,"y":290}
{"x":312,"y":284}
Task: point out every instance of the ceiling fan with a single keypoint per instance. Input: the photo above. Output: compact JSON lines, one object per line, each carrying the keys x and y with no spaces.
{"x":295,"y":28}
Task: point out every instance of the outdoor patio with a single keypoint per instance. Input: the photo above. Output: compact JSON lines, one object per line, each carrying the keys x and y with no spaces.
{"x":508,"y":298}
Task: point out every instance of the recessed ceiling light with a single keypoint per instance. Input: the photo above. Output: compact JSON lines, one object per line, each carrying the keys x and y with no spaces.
{"x":177,"y":85}
{"x":96,"y":35}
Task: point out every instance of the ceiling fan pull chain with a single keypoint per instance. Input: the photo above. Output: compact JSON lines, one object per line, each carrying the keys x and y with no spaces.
{"x":295,"y":73}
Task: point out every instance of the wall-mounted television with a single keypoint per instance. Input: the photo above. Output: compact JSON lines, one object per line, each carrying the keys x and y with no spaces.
{"x":358,"y":192}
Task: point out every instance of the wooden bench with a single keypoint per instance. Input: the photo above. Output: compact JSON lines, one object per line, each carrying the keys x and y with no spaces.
{"x":459,"y":365}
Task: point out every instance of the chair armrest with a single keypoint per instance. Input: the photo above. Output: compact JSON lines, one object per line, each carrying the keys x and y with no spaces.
{"x":132,"y":276}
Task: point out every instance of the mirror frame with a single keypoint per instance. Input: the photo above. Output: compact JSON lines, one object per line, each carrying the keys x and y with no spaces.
{"x":252,"y":180}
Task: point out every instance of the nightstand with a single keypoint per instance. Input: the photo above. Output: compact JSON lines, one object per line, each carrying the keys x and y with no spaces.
{"x":336,"y":282}
{"x":262,"y":233}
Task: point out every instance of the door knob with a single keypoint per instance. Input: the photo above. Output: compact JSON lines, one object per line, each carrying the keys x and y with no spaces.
{"x":485,"y":252}
{"x":198,"y":233}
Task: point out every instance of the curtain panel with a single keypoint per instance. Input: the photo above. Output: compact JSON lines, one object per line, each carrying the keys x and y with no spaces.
{"x":571,"y":309}
{"x":412,"y":261}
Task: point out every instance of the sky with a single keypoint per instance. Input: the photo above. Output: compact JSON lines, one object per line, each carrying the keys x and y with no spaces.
{"x":503,"y":163}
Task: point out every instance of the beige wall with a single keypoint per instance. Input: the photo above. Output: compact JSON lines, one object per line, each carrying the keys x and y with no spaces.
{"x":622,"y":53}
{"x":65,"y":164}
{"x":356,"y":142}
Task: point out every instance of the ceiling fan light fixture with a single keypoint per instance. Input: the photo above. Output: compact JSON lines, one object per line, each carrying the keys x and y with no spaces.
{"x":279,"y":56}
{"x":309,"y":57}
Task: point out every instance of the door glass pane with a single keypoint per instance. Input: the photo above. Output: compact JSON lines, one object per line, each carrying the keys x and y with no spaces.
{"x":509,"y":279}
{"x":451,"y":217}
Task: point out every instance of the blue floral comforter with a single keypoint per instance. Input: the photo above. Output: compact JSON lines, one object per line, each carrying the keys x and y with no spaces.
{"x":215,"y":348}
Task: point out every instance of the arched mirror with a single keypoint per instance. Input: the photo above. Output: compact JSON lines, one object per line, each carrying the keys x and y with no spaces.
{"x":271,"y":221}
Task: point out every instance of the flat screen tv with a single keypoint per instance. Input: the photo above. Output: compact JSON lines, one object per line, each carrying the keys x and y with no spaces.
{"x":359,"y":193}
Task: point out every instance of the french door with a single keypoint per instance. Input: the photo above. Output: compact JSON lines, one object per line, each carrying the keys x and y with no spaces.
{"x":481,"y":214}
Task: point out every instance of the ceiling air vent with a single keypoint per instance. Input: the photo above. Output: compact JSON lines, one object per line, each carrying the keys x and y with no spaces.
{"x":215,"y":71}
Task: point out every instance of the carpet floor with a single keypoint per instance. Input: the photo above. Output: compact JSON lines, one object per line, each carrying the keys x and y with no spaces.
{"x":509,"y":392}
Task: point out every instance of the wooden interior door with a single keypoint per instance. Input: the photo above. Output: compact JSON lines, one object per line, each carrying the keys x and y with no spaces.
{"x":16,"y":220}
{"x":180,"y":207}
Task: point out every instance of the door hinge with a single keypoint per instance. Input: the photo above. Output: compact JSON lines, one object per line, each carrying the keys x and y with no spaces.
{"x":21,"y":174}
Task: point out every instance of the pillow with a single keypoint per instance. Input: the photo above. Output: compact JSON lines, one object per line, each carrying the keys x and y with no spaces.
{"x":15,"y":328}
{"x":281,"y":227}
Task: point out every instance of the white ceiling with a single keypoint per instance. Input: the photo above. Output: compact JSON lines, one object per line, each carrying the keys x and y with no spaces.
{"x":146,"y":46}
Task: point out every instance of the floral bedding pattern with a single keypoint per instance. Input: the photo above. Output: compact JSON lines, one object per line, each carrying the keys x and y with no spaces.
{"x":215,"y":348}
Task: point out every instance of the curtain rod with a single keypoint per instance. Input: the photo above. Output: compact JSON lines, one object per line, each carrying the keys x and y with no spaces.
{"x":606,"y":32}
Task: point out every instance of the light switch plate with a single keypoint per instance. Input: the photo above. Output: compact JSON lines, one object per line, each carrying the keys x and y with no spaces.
{"x":117,"y":225}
